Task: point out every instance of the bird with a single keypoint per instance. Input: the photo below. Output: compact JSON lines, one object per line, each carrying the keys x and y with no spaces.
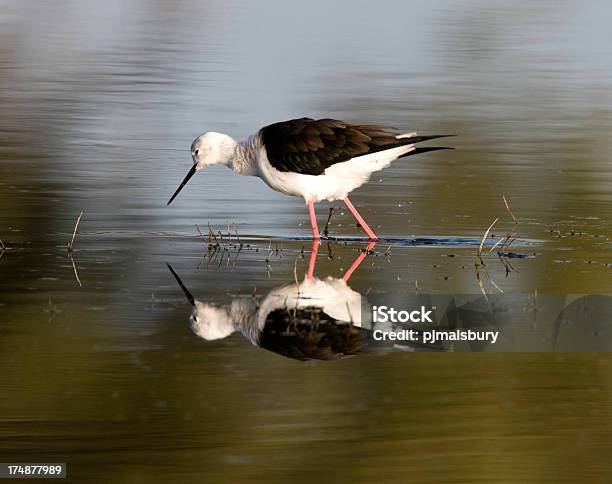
{"x":329,"y":320}
{"x":316,"y":159}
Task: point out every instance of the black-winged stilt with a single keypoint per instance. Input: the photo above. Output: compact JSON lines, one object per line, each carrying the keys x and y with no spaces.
{"x":331,"y":299}
{"x":322,"y":159}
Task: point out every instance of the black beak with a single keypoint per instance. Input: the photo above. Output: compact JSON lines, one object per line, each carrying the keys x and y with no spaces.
{"x":189,"y":175}
{"x":180,"y":283}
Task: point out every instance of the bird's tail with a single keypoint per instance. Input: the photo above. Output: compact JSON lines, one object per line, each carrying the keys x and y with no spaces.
{"x":416,"y":151}
{"x":412,"y":138}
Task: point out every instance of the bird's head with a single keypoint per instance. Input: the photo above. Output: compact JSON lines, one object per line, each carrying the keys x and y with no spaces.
{"x":209,"y":149}
{"x":211,"y":322}
{"x":212,"y":149}
{"x":207,"y":320}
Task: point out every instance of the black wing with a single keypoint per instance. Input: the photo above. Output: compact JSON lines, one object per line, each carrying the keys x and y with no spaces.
{"x":310,"y":146}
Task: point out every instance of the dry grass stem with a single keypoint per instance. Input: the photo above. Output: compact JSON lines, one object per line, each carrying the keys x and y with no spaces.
{"x":507,"y":240}
{"x":212,"y":234}
{"x":495,"y":285}
{"x":295,"y":277}
{"x":331,"y":212}
{"x":74,"y":268}
{"x":200,"y":232}
{"x":502,"y":239}
{"x":482,"y":242}
{"x":76,"y":227}
{"x":509,"y":209}
{"x":480,"y":284}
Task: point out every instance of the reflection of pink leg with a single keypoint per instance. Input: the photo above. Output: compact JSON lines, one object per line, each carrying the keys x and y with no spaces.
{"x":360,"y":219}
{"x":313,"y":221}
{"x":313,"y":259}
{"x":358,"y":261}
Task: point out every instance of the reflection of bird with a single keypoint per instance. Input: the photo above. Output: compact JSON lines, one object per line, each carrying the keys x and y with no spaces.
{"x":318,"y":160}
{"x":315,"y":318}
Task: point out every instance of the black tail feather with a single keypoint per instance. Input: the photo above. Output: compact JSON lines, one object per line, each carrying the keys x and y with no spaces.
{"x":417,"y":151}
{"x":418,"y":139}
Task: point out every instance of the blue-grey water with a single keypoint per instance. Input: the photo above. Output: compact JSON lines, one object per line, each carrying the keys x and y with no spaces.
{"x":100,"y":102}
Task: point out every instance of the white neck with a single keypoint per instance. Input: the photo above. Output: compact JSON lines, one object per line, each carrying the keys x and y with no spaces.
{"x":244,"y":160}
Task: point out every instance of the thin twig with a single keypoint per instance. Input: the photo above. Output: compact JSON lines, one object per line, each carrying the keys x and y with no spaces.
{"x":331,"y":212}
{"x":295,"y":277}
{"x":237,"y":236}
{"x":236,"y":258}
{"x":200,"y":232}
{"x":2,"y":246}
{"x":210,"y":231}
{"x":509,"y":209}
{"x":76,"y":227}
{"x":503,"y":241}
{"x":479,"y":279}
{"x":495,"y":285}
{"x":213,"y":255}
{"x":74,"y":268}
{"x":482,"y":242}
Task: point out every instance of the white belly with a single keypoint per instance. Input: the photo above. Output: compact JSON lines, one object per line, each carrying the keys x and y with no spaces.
{"x":335,"y":183}
{"x":333,"y":296}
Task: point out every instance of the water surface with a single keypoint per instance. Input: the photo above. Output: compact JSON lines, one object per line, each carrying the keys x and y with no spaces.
{"x":100,"y":103}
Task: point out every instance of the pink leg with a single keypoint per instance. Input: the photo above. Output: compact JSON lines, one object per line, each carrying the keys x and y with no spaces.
{"x":360,"y":219}
{"x":358,"y":261}
{"x":313,"y":259}
{"x":313,"y":221}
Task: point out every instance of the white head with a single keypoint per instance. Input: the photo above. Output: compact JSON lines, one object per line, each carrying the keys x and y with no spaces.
{"x":209,"y":149}
{"x":211,"y":322}
{"x":207,"y":321}
{"x":212,"y":149}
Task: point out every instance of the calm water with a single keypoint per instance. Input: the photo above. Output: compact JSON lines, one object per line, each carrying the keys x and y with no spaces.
{"x":100,"y":102}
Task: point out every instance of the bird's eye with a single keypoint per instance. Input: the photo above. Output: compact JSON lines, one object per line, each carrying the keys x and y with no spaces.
{"x":196,"y":152}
